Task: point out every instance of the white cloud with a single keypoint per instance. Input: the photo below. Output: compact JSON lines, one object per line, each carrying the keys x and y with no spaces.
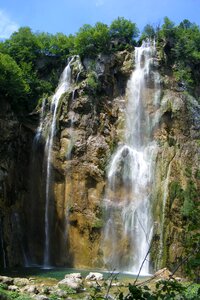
{"x":7,"y":26}
{"x":99,"y":2}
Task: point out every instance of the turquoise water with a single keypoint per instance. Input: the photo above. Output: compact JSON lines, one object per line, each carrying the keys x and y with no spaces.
{"x":59,"y":273}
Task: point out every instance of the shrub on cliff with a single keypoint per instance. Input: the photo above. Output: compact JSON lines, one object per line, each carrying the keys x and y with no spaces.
{"x":13,"y":85}
{"x":29,"y":62}
{"x":124,"y":31}
{"x":89,"y":41}
{"x":181,"y":46}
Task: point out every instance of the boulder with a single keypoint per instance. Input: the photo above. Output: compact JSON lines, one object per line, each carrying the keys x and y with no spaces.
{"x":31,"y":289}
{"x":21,"y":282}
{"x":73,"y":281}
{"x":13,"y":288}
{"x":6,"y":280}
{"x":163,"y":274}
{"x":94,"y":277}
{"x":94,"y":284}
{"x":41,"y":297}
{"x":74,"y":275}
{"x":61,"y":293}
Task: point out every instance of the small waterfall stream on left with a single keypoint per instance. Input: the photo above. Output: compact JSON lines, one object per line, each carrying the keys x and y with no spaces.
{"x":39,"y":129}
{"x":63,"y":86}
{"x":17,"y":228}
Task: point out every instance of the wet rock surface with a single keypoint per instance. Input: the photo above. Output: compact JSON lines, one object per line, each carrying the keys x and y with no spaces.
{"x":90,"y":125}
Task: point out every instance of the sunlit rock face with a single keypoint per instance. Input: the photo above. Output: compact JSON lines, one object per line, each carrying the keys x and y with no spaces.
{"x":89,"y":120}
{"x":176,"y":177}
{"x":97,"y":155}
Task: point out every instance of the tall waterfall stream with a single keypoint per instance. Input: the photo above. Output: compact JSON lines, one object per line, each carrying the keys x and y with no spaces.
{"x":128,"y":209}
{"x":63,"y":86}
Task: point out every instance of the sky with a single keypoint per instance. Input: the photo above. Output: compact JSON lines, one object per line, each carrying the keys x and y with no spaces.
{"x":67,"y":16}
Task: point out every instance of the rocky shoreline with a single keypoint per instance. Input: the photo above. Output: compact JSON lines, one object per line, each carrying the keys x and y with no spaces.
{"x":67,"y":288}
{"x":73,"y":286}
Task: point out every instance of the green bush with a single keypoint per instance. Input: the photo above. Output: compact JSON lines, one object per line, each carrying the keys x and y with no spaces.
{"x":13,"y":85}
{"x":92,"y":82}
{"x":123,"y":29}
{"x":164,"y":289}
{"x":182,"y":49}
{"x":89,"y":41}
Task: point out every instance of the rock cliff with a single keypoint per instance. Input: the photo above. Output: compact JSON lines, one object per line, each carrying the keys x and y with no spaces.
{"x":90,"y":124}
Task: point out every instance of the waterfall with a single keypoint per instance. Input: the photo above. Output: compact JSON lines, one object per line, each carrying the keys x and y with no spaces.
{"x":63,"y":86}
{"x":71,"y":135}
{"x":127,"y":204}
{"x":39,"y":129}
{"x":80,"y":69}
{"x":164,"y":200}
{"x":20,"y":236}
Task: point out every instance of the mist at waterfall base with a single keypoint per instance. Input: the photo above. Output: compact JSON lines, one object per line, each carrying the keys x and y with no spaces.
{"x":128,"y":203}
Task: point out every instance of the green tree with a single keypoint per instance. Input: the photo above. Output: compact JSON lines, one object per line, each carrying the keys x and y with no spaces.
{"x":186,"y":24}
{"x":31,"y":53}
{"x":84,"y":42}
{"x":13,"y":85}
{"x":148,"y":32}
{"x":187,"y":53}
{"x":123,"y":29}
{"x":90,"y":41}
{"x":101,"y":37}
{"x":44,"y":41}
{"x":62,"y":45}
{"x":168,"y":28}
{"x":23,"y":45}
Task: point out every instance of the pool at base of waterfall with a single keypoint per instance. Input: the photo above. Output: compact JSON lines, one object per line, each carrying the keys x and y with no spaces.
{"x":59,"y":273}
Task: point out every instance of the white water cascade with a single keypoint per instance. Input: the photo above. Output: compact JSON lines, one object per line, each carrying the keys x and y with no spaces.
{"x":164,"y":200}
{"x":18,"y":229}
{"x":128,"y":209}
{"x":39,"y":129}
{"x":63,"y":86}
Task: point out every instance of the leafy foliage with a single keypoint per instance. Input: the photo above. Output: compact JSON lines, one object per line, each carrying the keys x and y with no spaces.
{"x":164,"y":289}
{"x":149,"y":32}
{"x":189,"y":212}
{"x":123,"y":29}
{"x":13,"y":85}
{"x":9,"y":295}
{"x":92,"y":82}
{"x":24,"y":77}
{"x":22,"y":45}
{"x":90,"y":41}
{"x":40,"y":57}
{"x":33,"y":61}
{"x":182,"y":49}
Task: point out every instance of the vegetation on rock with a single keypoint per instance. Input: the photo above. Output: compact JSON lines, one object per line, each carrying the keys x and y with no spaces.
{"x":182,"y":50}
{"x":39,"y":57}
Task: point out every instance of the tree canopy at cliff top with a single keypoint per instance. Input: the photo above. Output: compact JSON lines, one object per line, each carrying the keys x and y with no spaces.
{"x":24,"y":79}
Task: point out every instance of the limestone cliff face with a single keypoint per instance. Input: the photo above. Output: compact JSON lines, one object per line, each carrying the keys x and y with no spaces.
{"x":177,"y":184}
{"x":15,"y":144}
{"x":88,"y":128}
{"x":90,"y":123}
